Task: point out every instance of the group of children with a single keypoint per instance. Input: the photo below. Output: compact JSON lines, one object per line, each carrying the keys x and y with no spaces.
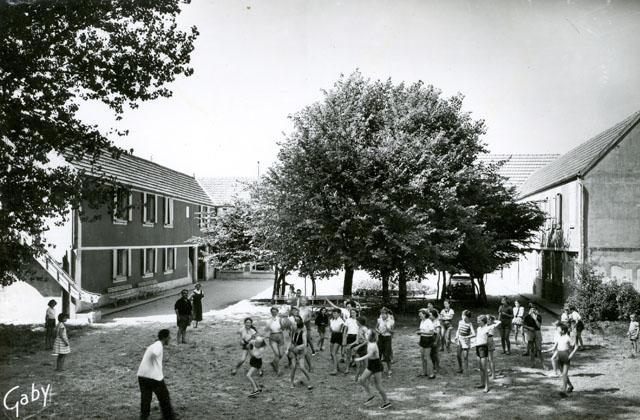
{"x":369,"y":349}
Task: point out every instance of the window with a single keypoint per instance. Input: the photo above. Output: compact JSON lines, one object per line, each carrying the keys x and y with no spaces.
{"x":168,"y":212}
{"x":170,"y":255}
{"x":149,"y":209}
{"x":121,"y":264}
{"x":122,"y":205}
{"x":149,"y":262}
{"x":205,"y":216}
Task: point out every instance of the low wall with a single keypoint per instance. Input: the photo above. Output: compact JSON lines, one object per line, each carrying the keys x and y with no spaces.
{"x":244,"y":275}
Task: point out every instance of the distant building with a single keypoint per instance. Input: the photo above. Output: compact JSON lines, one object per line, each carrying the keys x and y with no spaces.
{"x":591,"y":196}
{"x":139,"y":247}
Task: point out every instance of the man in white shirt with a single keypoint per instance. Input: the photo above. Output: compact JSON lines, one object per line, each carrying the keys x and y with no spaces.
{"x":151,"y":379}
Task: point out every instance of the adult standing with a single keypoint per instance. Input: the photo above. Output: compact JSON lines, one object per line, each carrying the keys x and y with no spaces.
{"x":151,"y":378}
{"x":505,"y":315}
{"x":50,"y":325}
{"x":196,"y":298}
{"x":183,"y":310}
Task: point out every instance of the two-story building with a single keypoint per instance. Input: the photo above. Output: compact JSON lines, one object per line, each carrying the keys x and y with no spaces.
{"x":141,"y":245}
{"x":591,"y":196}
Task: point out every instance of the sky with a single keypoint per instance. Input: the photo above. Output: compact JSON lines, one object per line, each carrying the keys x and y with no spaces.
{"x":544,"y":75}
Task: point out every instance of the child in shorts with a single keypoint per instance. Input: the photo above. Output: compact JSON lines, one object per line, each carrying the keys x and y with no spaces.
{"x":256,"y":349}
{"x":634,"y":332}
{"x":563,"y":346}
{"x":463,"y":338}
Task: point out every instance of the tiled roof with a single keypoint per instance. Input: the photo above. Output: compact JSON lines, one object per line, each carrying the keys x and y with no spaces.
{"x":140,"y":173}
{"x":222,"y":190}
{"x":579,"y":160}
{"x":518,"y":167}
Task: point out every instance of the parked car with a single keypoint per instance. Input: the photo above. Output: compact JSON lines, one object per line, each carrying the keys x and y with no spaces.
{"x":460,"y":287}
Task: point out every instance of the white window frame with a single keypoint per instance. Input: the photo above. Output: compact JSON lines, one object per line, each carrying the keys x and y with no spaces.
{"x":167,"y":269}
{"x":145,"y":216}
{"x":145,"y":273}
{"x":115,"y":276}
{"x":117,"y":220}
{"x":168,"y":211}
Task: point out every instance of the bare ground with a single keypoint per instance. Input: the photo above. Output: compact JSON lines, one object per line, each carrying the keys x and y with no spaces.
{"x":100,"y":381}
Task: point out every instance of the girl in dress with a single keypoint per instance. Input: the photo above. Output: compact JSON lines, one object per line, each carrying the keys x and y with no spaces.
{"x":61,"y":344}
{"x":374,"y":368}
{"x":427,"y":334}
{"x":518,"y":315}
{"x":634,"y":332}
{"x":196,"y":297}
{"x":384,"y":328}
{"x":247,"y":333}
{"x":446,"y":318}
{"x":463,"y":338}
{"x":256,"y":348}
{"x":50,"y":325}
{"x":298,"y":350}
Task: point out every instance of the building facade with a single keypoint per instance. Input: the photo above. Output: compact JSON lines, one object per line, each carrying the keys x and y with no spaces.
{"x":591,"y":196}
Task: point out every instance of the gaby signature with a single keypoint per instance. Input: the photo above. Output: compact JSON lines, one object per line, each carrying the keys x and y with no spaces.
{"x":13,"y":399}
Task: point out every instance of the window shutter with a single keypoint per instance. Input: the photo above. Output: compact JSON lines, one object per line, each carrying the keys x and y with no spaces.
{"x":144,"y":207}
{"x":155,"y":209}
{"x":164,"y":258}
{"x":144,"y":260}
{"x":155,"y":260}
{"x":171,"y":211}
{"x":129,"y":262}
{"x":115,"y":263}
{"x":175,"y":258}
{"x":559,"y":209}
{"x":115,"y":205}
{"x":130,"y":210}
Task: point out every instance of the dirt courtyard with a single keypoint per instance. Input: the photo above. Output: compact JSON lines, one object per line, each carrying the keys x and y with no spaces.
{"x":100,"y":380}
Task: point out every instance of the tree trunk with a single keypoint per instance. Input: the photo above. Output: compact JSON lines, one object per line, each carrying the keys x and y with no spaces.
{"x":438,"y":287}
{"x":313,"y":285}
{"x":276,"y":285}
{"x":443,"y":289}
{"x":402,"y":290}
{"x":348,"y":281}
{"x":283,"y":282}
{"x":385,"y":286}
{"x":482,"y":293}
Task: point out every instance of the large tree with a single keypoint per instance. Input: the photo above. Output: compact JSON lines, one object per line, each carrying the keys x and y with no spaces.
{"x":53,"y":56}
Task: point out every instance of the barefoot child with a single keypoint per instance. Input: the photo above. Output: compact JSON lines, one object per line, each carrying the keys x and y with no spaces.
{"x":322,"y":321}
{"x":360,"y":346}
{"x":384,"y":328}
{"x":518,"y":318}
{"x":634,"y":332}
{"x":463,"y":338}
{"x":256,"y":348}
{"x":276,"y":338}
{"x":247,"y":333}
{"x":61,"y":343}
{"x":427,"y":334}
{"x":374,"y":368}
{"x":351,"y":325}
{"x":446,"y":318}
{"x":493,"y":324}
{"x":482,"y":349}
{"x":563,"y":346}
{"x":298,"y":350}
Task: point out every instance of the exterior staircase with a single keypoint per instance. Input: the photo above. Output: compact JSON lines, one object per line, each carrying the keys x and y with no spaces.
{"x":64,"y":280}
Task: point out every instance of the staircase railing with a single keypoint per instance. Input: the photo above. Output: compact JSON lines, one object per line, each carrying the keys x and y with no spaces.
{"x":64,"y":280}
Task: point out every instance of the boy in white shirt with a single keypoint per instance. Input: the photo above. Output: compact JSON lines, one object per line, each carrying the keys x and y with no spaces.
{"x":151,"y":378}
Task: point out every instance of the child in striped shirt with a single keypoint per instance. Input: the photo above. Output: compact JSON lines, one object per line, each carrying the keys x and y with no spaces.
{"x":463,"y":338}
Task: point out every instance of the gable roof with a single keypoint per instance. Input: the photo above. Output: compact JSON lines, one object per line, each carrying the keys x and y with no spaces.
{"x":141,"y":173}
{"x":518,"y":167}
{"x":580,"y":160}
{"x":222,"y":190}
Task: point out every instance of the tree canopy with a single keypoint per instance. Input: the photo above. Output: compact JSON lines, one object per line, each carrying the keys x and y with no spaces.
{"x":53,"y":56}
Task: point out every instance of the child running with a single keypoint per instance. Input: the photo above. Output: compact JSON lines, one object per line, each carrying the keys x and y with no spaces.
{"x":463,"y":337}
{"x":374,"y":368}
{"x":563,"y":346}
{"x":446,"y":319}
{"x":360,"y":346}
{"x":634,"y":332}
{"x":247,"y":333}
{"x":336,"y":326}
{"x":384,"y":328}
{"x":298,"y":350}
{"x":256,"y":348}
